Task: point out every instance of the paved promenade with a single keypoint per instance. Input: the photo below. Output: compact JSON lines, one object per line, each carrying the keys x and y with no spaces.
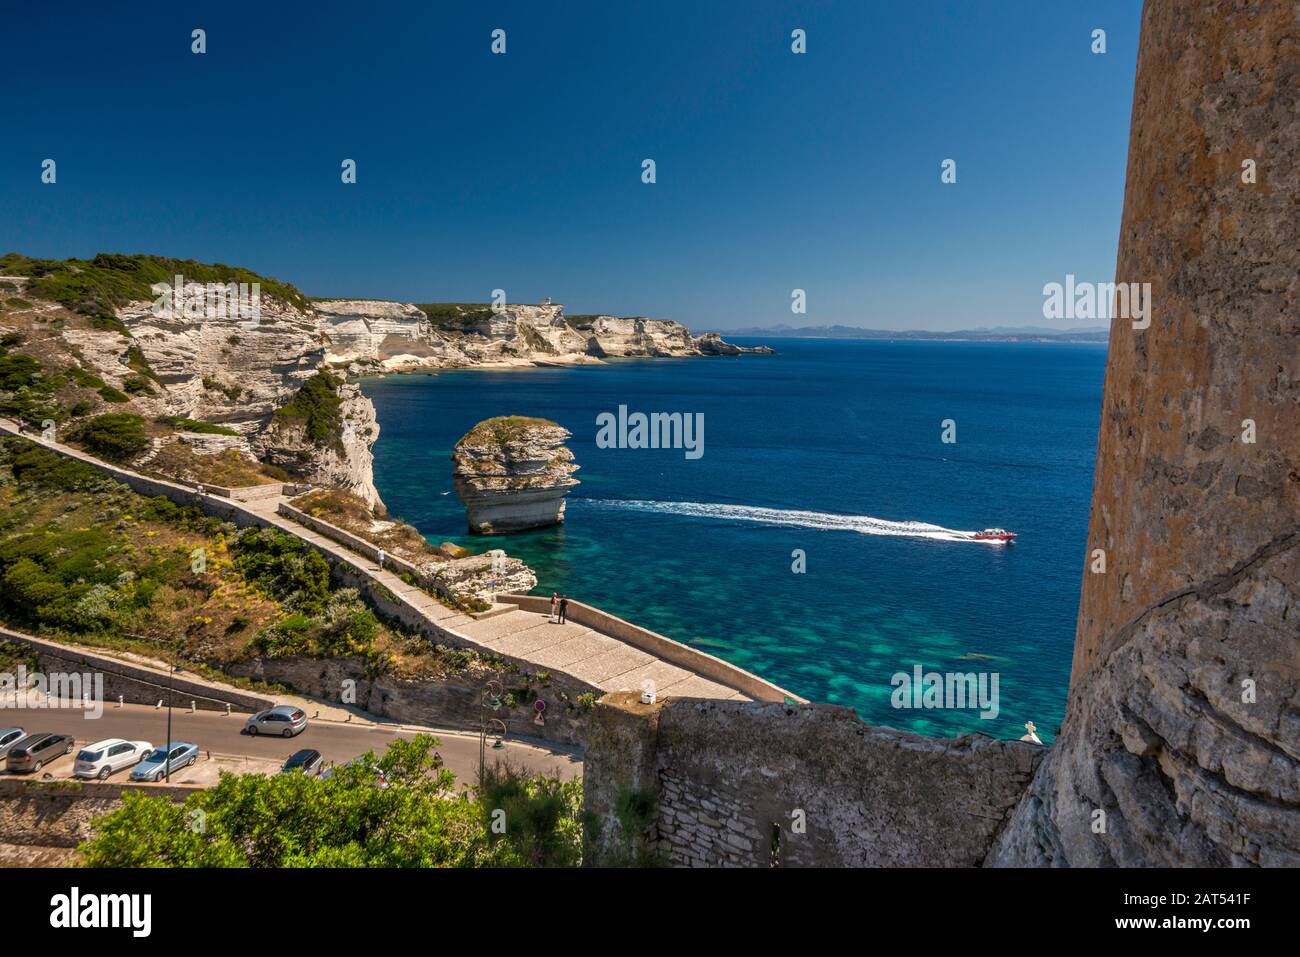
{"x":598,"y":659}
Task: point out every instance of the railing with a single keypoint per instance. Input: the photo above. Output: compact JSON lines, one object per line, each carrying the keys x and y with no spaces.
{"x":662,"y":647}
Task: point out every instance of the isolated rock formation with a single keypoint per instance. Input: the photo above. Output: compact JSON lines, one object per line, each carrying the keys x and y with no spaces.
{"x":512,"y":473}
{"x":712,"y":344}
{"x":1181,"y":743}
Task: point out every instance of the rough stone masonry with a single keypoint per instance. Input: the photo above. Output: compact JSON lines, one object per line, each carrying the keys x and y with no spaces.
{"x":1181,"y":743}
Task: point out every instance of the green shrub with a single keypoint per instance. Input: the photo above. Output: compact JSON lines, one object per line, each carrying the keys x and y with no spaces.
{"x":284,"y":567}
{"x":96,"y":287}
{"x":316,"y":408}
{"x":137,"y":385}
{"x":18,"y":371}
{"x":116,"y":436}
{"x":33,"y":465}
{"x":182,"y":424}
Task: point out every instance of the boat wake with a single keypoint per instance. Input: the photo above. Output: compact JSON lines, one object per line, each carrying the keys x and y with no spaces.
{"x":790,"y":518}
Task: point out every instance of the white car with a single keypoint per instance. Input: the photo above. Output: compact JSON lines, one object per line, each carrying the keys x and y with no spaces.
{"x":103,"y":758}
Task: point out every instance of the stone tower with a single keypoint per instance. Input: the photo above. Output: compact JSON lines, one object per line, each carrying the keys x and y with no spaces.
{"x":1181,"y":743}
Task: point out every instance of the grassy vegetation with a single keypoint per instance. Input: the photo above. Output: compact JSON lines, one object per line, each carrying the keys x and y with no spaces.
{"x":452,"y":315}
{"x":315,"y":407}
{"x":95,"y":287}
{"x":292,"y":820}
{"x":503,"y":429}
{"x":181,"y":424}
{"x":85,"y":559}
{"x":116,"y":436}
{"x":351,"y":513}
{"x":229,"y":469}
{"x":394,"y":536}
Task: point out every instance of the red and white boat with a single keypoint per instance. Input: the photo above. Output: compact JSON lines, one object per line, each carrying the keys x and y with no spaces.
{"x":995,"y":535}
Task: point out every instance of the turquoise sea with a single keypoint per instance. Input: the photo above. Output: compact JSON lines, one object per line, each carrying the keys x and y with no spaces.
{"x":830,"y":447}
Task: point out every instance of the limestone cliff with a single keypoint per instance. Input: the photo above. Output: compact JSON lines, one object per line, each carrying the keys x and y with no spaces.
{"x":512,"y":473}
{"x":1181,"y":743}
{"x":369,"y":335}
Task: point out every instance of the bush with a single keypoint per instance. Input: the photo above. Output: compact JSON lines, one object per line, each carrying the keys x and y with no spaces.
{"x":182,"y":424}
{"x":291,"y":820}
{"x":34,"y":465}
{"x":18,"y":371}
{"x":137,"y":385}
{"x":284,"y":567}
{"x":116,"y":436}
{"x":316,"y":408}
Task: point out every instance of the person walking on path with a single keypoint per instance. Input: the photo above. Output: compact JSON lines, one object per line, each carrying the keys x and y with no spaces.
{"x":555,"y":605}
{"x":564,"y":608}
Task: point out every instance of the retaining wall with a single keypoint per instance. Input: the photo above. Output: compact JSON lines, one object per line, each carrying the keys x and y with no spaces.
{"x":136,"y":684}
{"x":674,"y":652}
{"x":751,"y":784}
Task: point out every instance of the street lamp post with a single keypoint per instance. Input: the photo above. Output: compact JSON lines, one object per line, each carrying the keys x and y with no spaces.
{"x":493,"y":691}
{"x":167,"y":748}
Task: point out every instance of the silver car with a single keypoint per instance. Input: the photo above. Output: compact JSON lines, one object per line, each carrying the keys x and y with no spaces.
{"x":283,"y":721}
{"x":155,"y":765}
{"x":8,"y":738}
{"x":109,"y":756}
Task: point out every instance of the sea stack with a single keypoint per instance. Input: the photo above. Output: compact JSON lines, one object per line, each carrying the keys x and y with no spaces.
{"x":512,"y":472}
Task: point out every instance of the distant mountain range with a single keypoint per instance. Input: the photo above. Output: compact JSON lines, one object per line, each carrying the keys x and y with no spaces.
{"x":994,"y":334}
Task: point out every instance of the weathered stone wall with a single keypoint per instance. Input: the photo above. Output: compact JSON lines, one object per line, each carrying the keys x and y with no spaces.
{"x":134,"y":683}
{"x":1181,"y":743}
{"x":60,"y":814}
{"x":759,"y":784}
{"x":452,"y":702}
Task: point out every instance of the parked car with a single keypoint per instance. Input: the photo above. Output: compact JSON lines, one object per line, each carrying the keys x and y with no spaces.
{"x":155,"y":765}
{"x":109,"y":756}
{"x":283,"y":721}
{"x":308,"y":761}
{"x":8,"y":738}
{"x":37,"y":750}
{"x":381,"y":779}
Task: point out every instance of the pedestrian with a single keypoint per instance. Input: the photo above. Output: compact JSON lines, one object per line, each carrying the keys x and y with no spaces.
{"x":555,"y":603}
{"x":564,"y":608}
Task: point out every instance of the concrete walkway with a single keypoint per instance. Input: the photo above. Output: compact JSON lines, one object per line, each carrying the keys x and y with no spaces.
{"x":588,"y":655}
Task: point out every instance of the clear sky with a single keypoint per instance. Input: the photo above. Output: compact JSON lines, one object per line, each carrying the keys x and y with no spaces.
{"x":522,"y":171}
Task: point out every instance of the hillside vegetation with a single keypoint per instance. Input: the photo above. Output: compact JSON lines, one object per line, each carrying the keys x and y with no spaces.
{"x":85,"y":559}
{"x":95,"y":287}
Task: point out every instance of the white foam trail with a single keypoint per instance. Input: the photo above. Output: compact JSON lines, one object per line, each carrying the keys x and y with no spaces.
{"x":790,"y":518}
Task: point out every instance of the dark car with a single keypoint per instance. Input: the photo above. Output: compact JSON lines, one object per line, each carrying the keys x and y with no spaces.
{"x":37,"y":750}
{"x":308,"y":761}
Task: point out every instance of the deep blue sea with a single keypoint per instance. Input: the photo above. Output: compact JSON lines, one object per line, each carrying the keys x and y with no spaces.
{"x":831,"y":447}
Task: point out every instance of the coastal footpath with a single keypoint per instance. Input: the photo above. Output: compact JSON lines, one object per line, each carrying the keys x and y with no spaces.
{"x":593,"y":654}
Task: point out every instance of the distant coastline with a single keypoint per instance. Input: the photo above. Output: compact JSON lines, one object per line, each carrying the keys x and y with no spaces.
{"x":1092,"y":334}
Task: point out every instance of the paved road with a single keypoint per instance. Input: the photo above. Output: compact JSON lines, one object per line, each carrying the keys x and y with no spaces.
{"x":221,"y":734}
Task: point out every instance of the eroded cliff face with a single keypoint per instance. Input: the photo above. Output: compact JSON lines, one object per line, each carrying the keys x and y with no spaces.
{"x":373,"y":336}
{"x":512,"y":473}
{"x":1181,"y":743}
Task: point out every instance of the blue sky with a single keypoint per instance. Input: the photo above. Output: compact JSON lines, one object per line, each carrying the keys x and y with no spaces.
{"x":775,"y":171}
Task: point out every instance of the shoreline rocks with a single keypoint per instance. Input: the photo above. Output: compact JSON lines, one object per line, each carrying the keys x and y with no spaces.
{"x":512,"y":473}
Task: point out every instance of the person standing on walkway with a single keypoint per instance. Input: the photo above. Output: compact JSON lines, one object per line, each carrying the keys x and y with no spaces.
{"x":564,"y":608}
{"x":555,"y":605}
